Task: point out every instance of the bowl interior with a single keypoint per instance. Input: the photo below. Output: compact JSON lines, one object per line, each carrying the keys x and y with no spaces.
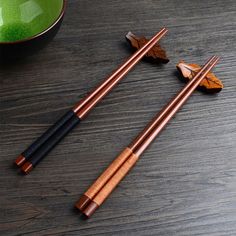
{"x":22,"y":19}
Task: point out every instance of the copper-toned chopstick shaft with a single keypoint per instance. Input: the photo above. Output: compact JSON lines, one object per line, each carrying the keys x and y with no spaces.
{"x":92,"y":102}
{"x":140,"y":149}
{"x":140,"y":138}
{"x":128,"y":64}
{"x":106,"y":190}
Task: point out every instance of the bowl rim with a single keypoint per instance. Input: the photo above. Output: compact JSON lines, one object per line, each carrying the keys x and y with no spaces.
{"x":40,"y":33}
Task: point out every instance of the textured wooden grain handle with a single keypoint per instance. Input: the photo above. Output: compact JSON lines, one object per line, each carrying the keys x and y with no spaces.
{"x":107,"y":189}
{"x":108,"y":173}
{"x":115,"y":180}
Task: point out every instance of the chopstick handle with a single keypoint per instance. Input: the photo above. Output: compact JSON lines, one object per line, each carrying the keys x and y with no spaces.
{"x":51,"y":143}
{"x":102,"y":179}
{"x":44,"y":137}
{"x":107,"y":189}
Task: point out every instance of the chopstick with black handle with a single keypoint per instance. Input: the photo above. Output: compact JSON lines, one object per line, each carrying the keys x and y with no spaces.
{"x":24,"y":156}
{"x":89,"y":203}
{"x":49,"y":144}
{"x":36,"y":152}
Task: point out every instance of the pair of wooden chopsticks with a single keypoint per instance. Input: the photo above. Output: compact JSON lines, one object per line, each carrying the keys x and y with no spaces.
{"x":45,"y":143}
{"x":118,"y":169}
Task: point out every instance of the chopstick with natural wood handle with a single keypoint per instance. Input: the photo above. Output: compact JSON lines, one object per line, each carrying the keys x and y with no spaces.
{"x":87,"y":197}
{"x":113,"y":181}
{"x":98,"y":184}
{"x":35,"y":153}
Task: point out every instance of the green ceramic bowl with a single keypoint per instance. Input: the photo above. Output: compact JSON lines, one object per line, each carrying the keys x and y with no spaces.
{"x":27,"y":25}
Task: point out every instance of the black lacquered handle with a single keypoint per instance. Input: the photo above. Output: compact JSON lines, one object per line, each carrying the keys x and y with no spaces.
{"x":54,"y":140}
{"x":49,"y":133}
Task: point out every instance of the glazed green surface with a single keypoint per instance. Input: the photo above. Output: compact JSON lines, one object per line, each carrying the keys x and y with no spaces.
{"x":21,"y":19}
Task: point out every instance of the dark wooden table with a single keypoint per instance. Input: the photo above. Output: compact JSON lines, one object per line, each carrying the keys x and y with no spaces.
{"x":184,"y":184}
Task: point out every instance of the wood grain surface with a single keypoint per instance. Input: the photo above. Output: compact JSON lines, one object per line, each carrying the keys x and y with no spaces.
{"x":184,"y":184}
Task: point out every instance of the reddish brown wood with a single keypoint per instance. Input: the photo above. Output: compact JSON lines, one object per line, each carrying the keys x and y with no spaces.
{"x":180,"y":99}
{"x":155,"y":122}
{"x":93,"y":98}
{"x":92,"y":207}
{"x":20,"y":160}
{"x":83,"y":202}
{"x":156,"y":54}
{"x":26,"y":168}
{"x":210,"y":83}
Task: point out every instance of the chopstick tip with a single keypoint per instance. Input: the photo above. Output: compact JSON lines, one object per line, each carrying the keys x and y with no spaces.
{"x":91,"y":208}
{"x":162,"y":32}
{"x":164,"y":29}
{"x":20,"y":160}
{"x":214,"y":60}
{"x":217,"y":58}
{"x":27,"y":167}
{"x":82,"y":203}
